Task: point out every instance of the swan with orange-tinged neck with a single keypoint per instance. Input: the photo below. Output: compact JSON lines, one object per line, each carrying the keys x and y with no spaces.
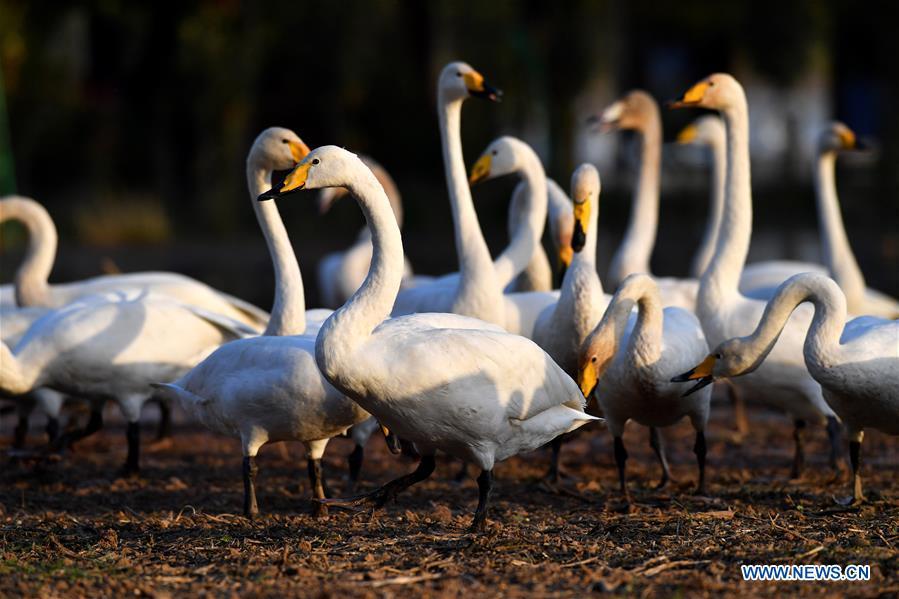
{"x":855,"y":362}
{"x":782,"y":381}
{"x":442,"y":381}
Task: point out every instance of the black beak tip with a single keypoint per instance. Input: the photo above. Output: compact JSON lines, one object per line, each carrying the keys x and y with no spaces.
{"x":271,"y":194}
{"x":704,"y":381}
{"x":682,"y":378}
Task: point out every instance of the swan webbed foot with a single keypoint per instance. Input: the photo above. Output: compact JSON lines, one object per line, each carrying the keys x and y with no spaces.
{"x":380,"y":497}
{"x":250,"y":469}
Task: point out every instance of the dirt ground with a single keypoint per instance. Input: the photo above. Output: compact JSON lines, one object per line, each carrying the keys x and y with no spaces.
{"x":72,"y":528}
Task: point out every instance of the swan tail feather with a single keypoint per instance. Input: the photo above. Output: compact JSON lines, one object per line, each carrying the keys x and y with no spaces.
{"x":175,"y":392}
{"x":545,"y":426}
{"x":12,"y":379}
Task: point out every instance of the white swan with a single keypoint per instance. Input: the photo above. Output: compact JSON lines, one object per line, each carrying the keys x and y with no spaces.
{"x":32,"y":288}
{"x":783,"y":381}
{"x":268,"y":389}
{"x":630,"y":363}
{"x":538,"y":274}
{"x":478,"y":394}
{"x":562,"y":327}
{"x":762,"y":278}
{"x":341,"y":273}
{"x":857,"y":363}
{"x":639,"y":112}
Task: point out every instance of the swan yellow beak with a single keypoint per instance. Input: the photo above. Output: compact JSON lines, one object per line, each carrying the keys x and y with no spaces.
{"x":688,"y":134}
{"x":297,"y":178}
{"x":701,"y":373}
{"x":565,"y":255}
{"x":477,"y":87}
{"x":581,"y":219}
{"x":299,"y":150}
{"x":692,"y":97}
{"x":847,"y":138}
{"x":587,"y":377}
{"x":481,"y":169}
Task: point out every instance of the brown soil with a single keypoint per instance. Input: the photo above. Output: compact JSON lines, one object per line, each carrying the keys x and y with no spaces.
{"x":72,"y":528}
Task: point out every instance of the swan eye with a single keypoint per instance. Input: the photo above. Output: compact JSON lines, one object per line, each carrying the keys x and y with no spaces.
{"x":711,"y":84}
{"x":593,"y":359}
{"x":458,"y":73}
{"x":315,"y":161}
{"x":494,"y":152}
{"x":284,"y":141}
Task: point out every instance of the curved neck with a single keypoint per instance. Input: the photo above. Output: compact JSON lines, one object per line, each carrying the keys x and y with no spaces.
{"x":288,"y":316}
{"x":718,"y":151}
{"x":533,"y":207}
{"x":645,"y":345}
{"x":31,"y":285}
{"x":636,"y":248}
{"x":475,"y":266}
{"x":823,"y":338}
{"x":722,"y":277}
{"x":353,"y":324}
{"x":835,"y":246}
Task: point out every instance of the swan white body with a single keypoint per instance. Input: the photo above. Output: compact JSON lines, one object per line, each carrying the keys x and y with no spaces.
{"x":856,"y":363}
{"x":639,"y":112}
{"x":32,"y":288}
{"x":630,"y":360}
{"x":341,"y":273}
{"x":478,"y":394}
{"x":783,"y":381}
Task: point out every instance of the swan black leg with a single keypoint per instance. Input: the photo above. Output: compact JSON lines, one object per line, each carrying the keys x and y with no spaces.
{"x":699,"y":448}
{"x":462,"y":474}
{"x":658,"y":446}
{"x":485,"y":487}
{"x":355,"y":463}
{"x":381,"y":496}
{"x":620,"y":460}
{"x":165,"y":420}
{"x":799,"y":456}
{"x":52,"y":429}
{"x":20,"y":434}
{"x":94,"y":424}
{"x":855,"y":449}
{"x":316,"y":481}
{"x":834,"y":435}
{"x":250,"y":507}
{"x":132,"y":462}
{"x":554,"y":475}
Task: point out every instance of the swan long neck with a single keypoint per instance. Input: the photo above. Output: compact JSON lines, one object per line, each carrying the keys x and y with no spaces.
{"x":31,"y":287}
{"x":636,"y":248}
{"x":352,"y":324}
{"x":721,"y":279}
{"x":718,"y":151}
{"x":822,"y":343}
{"x":835,"y":248}
{"x":645,"y":344}
{"x":475,"y":265}
{"x":526,"y":238}
{"x":288,"y":316}
{"x":15,"y":376}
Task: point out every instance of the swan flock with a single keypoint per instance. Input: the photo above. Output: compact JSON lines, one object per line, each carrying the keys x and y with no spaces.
{"x":499,"y":358}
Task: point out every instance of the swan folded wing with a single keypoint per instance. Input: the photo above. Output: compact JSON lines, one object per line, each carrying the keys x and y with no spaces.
{"x":227,"y":325}
{"x":249,"y":310}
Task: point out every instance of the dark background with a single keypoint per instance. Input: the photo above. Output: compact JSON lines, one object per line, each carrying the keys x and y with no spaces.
{"x":131,"y":122}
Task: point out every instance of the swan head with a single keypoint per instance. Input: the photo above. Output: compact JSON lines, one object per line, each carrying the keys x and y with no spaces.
{"x":707,"y":130}
{"x":327,"y":166}
{"x":277,"y":149}
{"x":632,"y":112}
{"x":729,"y":359}
{"x":504,"y":156}
{"x":458,"y":81}
{"x":836,"y":137}
{"x":594,"y":358}
{"x":718,"y":91}
{"x":584,"y":193}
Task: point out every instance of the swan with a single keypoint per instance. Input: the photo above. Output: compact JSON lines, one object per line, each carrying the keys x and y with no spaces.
{"x":32,"y":288}
{"x":268,"y":389}
{"x":478,"y":393}
{"x":112,"y":346}
{"x":473,"y":291}
{"x":856,"y":363}
{"x":782,"y":381}
{"x":839,"y":260}
{"x":341,"y":273}
{"x":629,"y":362}
{"x":538,"y":274}
{"x":639,"y":112}
{"x":562,"y":327}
